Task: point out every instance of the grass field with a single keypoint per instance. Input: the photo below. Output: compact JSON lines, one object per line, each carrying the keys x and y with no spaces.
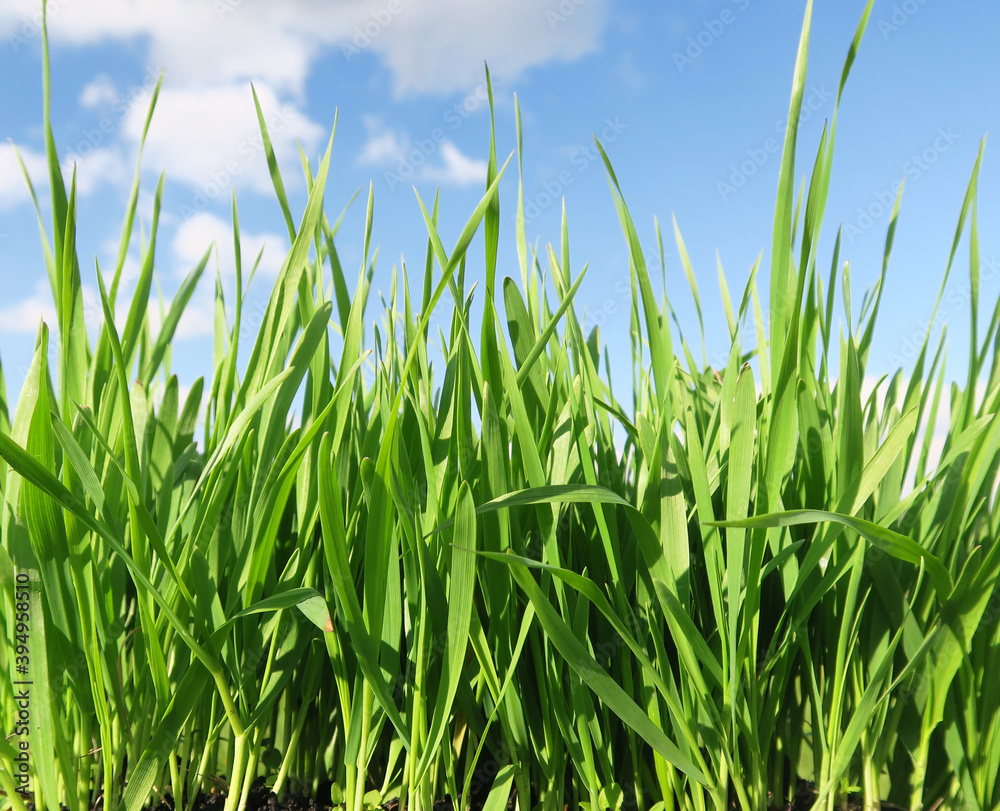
{"x":477,"y":570}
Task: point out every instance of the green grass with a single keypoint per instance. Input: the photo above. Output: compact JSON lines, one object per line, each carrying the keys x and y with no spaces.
{"x":480,"y":571}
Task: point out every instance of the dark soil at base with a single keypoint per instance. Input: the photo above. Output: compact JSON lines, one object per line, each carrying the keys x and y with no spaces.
{"x":805,"y":796}
{"x":261,"y":798}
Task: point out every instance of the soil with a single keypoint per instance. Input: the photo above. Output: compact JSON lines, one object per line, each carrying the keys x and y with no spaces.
{"x":805,"y":796}
{"x":261,"y":798}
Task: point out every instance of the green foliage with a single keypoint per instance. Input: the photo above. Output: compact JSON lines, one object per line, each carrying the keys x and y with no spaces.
{"x":478,"y":572}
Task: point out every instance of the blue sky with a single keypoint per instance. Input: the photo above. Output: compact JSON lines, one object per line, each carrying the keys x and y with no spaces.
{"x":689,"y":99}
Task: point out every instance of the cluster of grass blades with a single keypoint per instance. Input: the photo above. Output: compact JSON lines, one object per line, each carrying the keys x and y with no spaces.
{"x":483,"y":575}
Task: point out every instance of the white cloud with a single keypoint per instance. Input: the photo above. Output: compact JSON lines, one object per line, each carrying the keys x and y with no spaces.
{"x":197,"y":43}
{"x":630,"y":74}
{"x":131,"y":270}
{"x":205,"y":133}
{"x":24,"y":315}
{"x":438,"y":161}
{"x":211,"y":140}
{"x":102,"y":165}
{"x":457,"y":169}
{"x":429,"y":46}
{"x":196,"y":234}
{"x":384,"y":145}
{"x":441,"y":46}
{"x":97,"y":92}
{"x":13,"y":191}
{"x":197,"y":321}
